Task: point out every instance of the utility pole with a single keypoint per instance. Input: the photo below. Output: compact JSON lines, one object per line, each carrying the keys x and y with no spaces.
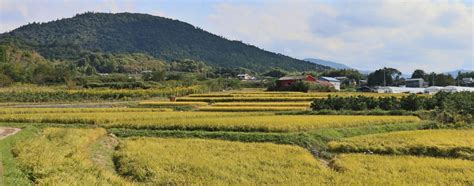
{"x":433,"y":78}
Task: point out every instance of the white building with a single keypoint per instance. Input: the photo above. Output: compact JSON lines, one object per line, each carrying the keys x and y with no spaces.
{"x":335,"y":82}
{"x":433,"y":90}
{"x":457,"y":89}
{"x":400,"y":90}
{"x":244,"y":77}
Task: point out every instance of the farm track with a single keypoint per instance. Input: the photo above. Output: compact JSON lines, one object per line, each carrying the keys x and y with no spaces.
{"x":5,"y":132}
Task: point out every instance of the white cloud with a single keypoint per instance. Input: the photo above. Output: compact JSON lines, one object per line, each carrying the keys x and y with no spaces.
{"x":434,"y":35}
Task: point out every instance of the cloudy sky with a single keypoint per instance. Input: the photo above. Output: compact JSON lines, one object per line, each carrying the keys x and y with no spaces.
{"x":365,"y":34}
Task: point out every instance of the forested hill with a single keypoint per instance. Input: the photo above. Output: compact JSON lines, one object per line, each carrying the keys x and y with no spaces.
{"x":160,"y":37}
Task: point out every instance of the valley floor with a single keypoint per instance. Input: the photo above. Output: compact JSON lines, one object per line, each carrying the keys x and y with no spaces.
{"x":178,"y":143}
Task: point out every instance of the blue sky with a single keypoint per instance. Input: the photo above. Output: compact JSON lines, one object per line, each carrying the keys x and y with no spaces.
{"x":365,"y":34}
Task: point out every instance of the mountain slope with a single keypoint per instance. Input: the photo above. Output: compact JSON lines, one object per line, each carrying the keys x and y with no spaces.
{"x":327,"y":63}
{"x":141,"y":33}
{"x":454,"y":73}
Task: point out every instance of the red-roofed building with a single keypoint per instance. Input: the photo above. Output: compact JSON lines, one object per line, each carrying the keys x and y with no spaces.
{"x":289,"y":80}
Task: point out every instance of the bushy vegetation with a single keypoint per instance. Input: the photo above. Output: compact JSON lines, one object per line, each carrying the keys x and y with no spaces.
{"x":448,"y":107}
{"x":52,"y":94}
{"x":119,"y":85}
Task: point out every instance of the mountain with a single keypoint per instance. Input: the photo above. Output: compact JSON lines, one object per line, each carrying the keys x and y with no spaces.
{"x":454,"y":73}
{"x":327,"y":63}
{"x":162,"y":38}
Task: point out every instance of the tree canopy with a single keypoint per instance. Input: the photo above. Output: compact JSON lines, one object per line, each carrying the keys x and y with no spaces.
{"x":392,"y":77}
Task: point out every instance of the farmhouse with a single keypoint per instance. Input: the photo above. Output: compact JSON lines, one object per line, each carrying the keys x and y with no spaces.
{"x":335,"y":82}
{"x":289,"y":80}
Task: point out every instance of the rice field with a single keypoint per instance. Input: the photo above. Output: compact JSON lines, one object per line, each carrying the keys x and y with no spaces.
{"x":170,"y":104}
{"x":263,"y":104}
{"x":245,"y":99}
{"x":214,"y":162}
{"x":259,"y":96}
{"x":61,"y":156}
{"x":447,"y":143}
{"x":211,"y":121}
{"x":360,"y":169}
{"x":250,"y":108}
{"x":75,"y":156}
{"x":77,"y":110}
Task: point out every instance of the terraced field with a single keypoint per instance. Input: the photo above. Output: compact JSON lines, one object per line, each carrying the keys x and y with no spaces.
{"x":66,"y":156}
{"x":445,"y":143}
{"x":185,"y":161}
{"x":263,"y":122}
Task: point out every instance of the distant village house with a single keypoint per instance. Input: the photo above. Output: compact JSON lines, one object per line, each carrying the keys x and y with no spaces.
{"x":245,"y":77}
{"x":335,"y":82}
{"x":289,"y":80}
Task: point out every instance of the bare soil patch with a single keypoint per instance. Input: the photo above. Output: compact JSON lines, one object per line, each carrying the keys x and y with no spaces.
{"x":5,"y":132}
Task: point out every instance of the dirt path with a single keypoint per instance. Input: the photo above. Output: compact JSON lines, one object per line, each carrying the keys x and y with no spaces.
{"x":5,"y":132}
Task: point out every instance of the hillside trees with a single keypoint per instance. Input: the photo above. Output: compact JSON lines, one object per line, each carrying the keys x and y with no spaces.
{"x":162,"y":38}
{"x":117,"y":63}
{"x":20,"y":65}
{"x":277,"y":73}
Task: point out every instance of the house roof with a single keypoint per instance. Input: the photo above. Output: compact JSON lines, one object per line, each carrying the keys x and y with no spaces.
{"x":331,"y":79}
{"x":324,"y":83}
{"x":242,"y":74}
{"x":292,"y":78}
